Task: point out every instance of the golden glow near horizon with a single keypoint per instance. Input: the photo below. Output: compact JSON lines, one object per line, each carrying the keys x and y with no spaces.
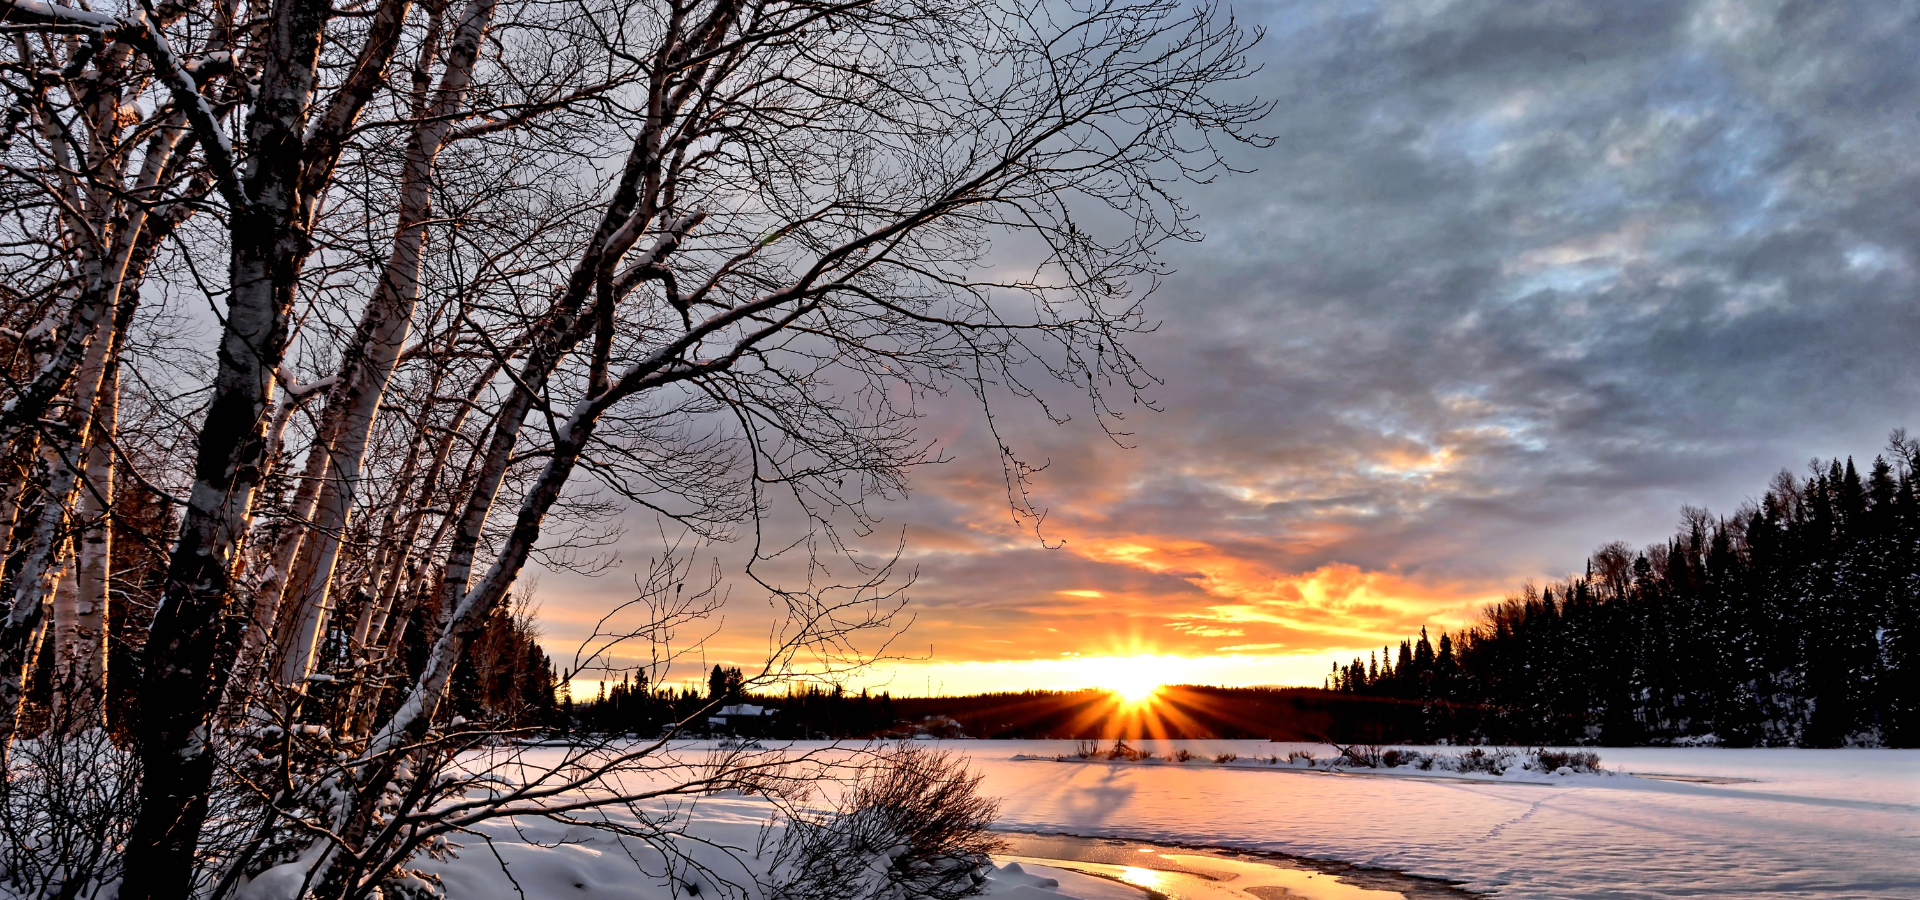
{"x":1118,"y":595}
{"x":1122,"y":609}
{"x":1238,"y":623}
{"x":1133,"y":679}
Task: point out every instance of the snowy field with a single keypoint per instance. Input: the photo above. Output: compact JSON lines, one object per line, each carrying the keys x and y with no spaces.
{"x":1744,"y":823}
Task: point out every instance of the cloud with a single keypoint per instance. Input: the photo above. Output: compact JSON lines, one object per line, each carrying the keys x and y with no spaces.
{"x":1516,"y":279}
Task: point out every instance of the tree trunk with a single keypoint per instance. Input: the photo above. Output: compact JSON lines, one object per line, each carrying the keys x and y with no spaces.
{"x":93,"y":543}
{"x":36,"y":585}
{"x":87,"y":350}
{"x":193,"y":642}
{"x":265,"y":638}
{"x":64,"y":623}
{"x":384,"y":329}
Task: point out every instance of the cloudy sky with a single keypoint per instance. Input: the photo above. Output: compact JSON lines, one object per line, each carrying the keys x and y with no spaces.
{"x":1516,"y":279}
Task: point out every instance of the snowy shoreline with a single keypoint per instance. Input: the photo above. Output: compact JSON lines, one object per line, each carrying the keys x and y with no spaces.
{"x":1513,"y":775}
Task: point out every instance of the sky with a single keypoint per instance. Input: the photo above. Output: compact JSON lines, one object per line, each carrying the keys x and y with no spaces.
{"x":1516,"y":279}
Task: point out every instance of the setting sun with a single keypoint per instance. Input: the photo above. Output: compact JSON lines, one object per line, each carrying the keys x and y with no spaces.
{"x":1134,"y":690}
{"x":1129,"y":678}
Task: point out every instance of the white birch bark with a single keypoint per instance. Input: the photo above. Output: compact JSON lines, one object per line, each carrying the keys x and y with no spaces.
{"x":40,"y":574}
{"x":192,"y":643}
{"x":112,"y":266}
{"x":64,"y":622}
{"x":264,"y":640}
{"x":388,"y":319}
{"x":85,"y":652}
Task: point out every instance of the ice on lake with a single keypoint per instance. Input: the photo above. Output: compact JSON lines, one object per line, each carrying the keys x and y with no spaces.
{"x":1779,"y":823}
{"x":1717,"y":823}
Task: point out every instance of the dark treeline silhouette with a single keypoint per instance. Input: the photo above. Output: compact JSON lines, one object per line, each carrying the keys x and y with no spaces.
{"x":1174,"y":712}
{"x":1793,"y":622}
{"x":635,"y":706}
{"x":1183,"y":711}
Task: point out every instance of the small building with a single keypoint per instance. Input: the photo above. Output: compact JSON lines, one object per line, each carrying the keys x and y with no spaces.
{"x":741,"y":720}
{"x":937,"y":728}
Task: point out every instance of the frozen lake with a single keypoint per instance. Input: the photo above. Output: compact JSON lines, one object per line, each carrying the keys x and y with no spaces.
{"x":1830,"y":824}
{"x":1774,"y":823}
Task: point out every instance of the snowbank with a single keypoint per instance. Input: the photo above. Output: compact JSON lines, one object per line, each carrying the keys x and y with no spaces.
{"x":1501,"y":764}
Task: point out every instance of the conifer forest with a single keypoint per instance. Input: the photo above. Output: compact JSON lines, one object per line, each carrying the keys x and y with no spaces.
{"x":1793,"y":622}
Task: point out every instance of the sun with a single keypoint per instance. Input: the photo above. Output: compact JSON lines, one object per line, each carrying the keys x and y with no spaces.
{"x":1133,"y":680}
{"x":1135,"y":691}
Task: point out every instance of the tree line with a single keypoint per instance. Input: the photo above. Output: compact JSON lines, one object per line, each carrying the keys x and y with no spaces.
{"x":1794,"y":622}
{"x":802,"y":711}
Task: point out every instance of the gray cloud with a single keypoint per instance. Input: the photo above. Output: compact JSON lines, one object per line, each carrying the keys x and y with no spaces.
{"x":1516,"y":279}
{"x":1609,"y":255}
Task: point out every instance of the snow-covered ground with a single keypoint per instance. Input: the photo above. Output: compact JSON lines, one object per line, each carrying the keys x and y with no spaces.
{"x":1773,"y":823}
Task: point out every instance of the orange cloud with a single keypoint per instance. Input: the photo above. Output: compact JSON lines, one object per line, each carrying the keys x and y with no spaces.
{"x":1155,"y":564}
{"x":1190,"y":599}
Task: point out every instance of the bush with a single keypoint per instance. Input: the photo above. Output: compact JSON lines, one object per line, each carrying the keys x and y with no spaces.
{"x":1182,"y":755}
{"x":1583,"y":761}
{"x":1225,"y":758}
{"x":914,"y":825}
{"x":1478,"y":759}
{"x":1363,"y":756}
{"x":1297,"y":755}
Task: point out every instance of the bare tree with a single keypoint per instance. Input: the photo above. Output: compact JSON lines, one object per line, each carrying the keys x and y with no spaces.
{"x":711,"y":254}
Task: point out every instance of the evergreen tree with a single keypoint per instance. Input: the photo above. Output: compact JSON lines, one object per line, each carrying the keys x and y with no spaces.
{"x":1793,"y":622}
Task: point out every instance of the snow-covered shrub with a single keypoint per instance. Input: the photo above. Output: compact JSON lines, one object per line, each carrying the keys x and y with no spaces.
{"x":1225,"y":758}
{"x":913,"y":826}
{"x":1477,"y":759}
{"x":1183,"y":755}
{"x":1124,"y":752}
{"x":1492,"y":761}
{"x":1086,"y":749}
{"x":1294,"y":756}
{"x":1363,"y":756}
{"x":1582,"y":761}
